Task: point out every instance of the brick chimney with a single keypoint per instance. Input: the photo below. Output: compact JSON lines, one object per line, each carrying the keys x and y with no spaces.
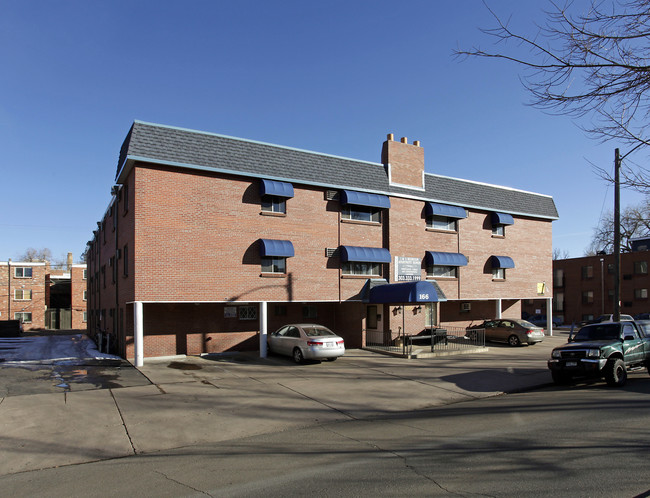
{"x":404,"y":162}
{"x":70,"y":261}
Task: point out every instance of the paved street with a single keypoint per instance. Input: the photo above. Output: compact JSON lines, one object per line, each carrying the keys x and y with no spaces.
{"x":234,"y":404}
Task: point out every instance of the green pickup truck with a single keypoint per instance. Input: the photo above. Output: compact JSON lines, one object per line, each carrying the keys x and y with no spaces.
{"x":607,"y":350}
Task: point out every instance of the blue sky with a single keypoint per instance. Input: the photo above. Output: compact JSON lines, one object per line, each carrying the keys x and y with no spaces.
{"x":329,"y":76}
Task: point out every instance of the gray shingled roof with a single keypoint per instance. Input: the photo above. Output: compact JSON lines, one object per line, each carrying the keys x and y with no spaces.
{"x":199,"y":150}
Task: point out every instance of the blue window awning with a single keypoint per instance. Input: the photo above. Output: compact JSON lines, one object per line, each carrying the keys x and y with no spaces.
{"x":364,"y":254}
{"x":277,"y":248}
{"x":445,"y":258}
{"x":364,"y":199}
{"x":502,"y":262}
{"x":502,"y":219}
{"x":273,"y":187}
{"x":433,"y":208}
{"x":407,"y":292}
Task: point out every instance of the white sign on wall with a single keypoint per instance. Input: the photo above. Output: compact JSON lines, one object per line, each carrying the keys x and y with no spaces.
{"x":408,"y":269}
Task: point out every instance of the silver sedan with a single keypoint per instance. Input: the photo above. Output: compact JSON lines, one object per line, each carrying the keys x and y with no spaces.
{"x":306,"y":341}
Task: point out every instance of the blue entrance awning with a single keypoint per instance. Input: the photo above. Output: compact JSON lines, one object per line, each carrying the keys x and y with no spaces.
{"x":364,"y":199}
{"x":502,"y":219}
{"x":273,"y":187}
{"x":407,"y":292}
{"x":502,"y":262}
{"x":277,"y":248}
{"x":433,"y":208}
{"x":445,"y":258}
{"x":364,"y":254}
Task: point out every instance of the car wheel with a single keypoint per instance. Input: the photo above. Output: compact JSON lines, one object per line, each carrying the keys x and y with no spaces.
{"x":615,"y":373}
{"x":513,"y":340}
{"x":297,"y":355}
{"x":331,"y":359}
{"x":472,"y":336}
{"x":560,"y":378}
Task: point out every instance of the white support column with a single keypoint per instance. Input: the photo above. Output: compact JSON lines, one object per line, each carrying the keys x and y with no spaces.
{"x":498,"y":308}
{"x":263,"y":329}
{"x":549,"y":315}
{"x":138,"y":334}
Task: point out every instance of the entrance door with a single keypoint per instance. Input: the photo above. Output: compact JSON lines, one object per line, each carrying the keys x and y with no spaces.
{"x":374,"y":325}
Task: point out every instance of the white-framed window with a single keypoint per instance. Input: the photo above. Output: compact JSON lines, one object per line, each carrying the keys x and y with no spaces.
{"x":85,"y":316}
{"x":23,"y":316}
{"x":641,"y":267}
{"x":361,"y":213}
{"x":23,"y":272}
{"x":274,"y":264}
{"x":85,"y":274}
{"x":361,"y":268}
{"x":499,"y":230}
{"x":442,"y":271}
{"x":274,"y":204}
{"x":442,"y":223}
{"x":247,"y":312}
{"x":85,"y":295}
{"x":22,"y":295}
{"x":498,"y":273}
{"x":641,"y":293}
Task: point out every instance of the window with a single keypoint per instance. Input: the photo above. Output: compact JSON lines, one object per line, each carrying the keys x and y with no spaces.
{"x":274,"y":204}
{"x":280,"y":310}
{"x":498,"y":273}
{"x":125,"y":261}
{"x":361,"y":213}
{"x":85,"y":316}
{"x":104,"y":275}
{"x":111,"y":263}
{"x":22,"y":295}
{"x":610,"y":268}
{"x":587,"y":297}
{"x":641,"y":267}
{"x":442,"y":223}
{"x":274,"y":264}
{"x":23,"y":316}
{"x":85,"y":295}
{"x":85,"y":277}
{"x":587,"y":272}
{"x":558,"y":277}
{"x":22,"y":272}
{"x":641,"y":293}
{"x":558,"y":302}
{"x":248,"y":312}
{"x":587,"y":317}
{"x":441,"y":271}
{"x":125,"y":189}
{"x":499,"y":230}
{"x":361,"y":268}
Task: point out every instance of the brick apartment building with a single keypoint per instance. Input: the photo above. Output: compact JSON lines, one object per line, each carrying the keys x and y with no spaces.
{"x":211,"y":241}
{"x":583,"y":288}
{"x":43,"y":297}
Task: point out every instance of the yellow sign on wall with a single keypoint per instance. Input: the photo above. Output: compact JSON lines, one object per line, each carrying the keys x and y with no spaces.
{"x":541,"y":287}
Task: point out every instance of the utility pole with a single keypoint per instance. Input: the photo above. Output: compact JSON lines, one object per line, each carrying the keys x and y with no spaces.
{"x":617,"y":236}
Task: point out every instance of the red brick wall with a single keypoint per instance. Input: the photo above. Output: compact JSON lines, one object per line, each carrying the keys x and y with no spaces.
{"x":601,"y":284}
{"x":9,"y":283}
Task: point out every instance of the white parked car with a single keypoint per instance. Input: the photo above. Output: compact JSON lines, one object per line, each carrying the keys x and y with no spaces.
{"x":306,"y":341}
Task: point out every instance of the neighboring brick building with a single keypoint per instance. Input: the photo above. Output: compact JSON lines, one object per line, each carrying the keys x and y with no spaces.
{"x":43,"y":297}
{"x":209,"y":240}
{"x":583,"y":288}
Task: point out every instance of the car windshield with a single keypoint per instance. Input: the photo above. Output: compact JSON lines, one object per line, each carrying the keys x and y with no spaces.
{"x":317,"y":331}
{"x":599,"y":332}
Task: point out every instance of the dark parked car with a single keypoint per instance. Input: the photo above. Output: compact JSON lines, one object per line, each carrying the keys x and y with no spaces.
{"x":514,"y":331}
{"x":542,"y":321}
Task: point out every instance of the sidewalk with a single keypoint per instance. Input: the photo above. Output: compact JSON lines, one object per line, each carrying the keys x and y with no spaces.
{"x":207,"y":400}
